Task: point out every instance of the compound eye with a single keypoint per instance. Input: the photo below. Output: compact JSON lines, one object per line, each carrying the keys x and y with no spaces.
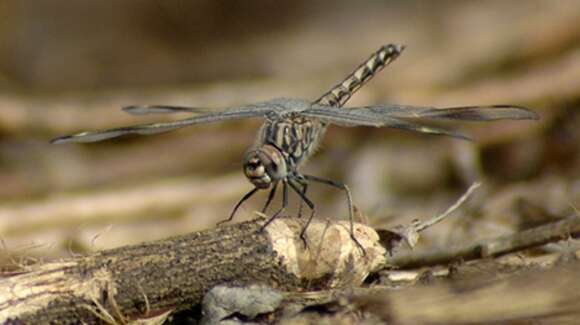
{"x":254,"y":168}
{"x":253,"y":165}
{"x":275,"y":167}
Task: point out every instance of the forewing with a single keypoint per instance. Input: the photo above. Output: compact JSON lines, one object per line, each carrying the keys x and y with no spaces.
{"x":153,"y":128}
{"x":402,"y":116}
{"x":163,"y":109}
{"x":463,"y":113}
{"x":363,"y":117}
{"x":342,"y":117}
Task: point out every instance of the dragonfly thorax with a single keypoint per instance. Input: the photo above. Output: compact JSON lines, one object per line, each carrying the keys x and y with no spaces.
{"x":264,"y":166}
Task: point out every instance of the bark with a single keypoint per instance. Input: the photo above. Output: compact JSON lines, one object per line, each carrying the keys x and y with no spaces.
{"x":153,"y":278}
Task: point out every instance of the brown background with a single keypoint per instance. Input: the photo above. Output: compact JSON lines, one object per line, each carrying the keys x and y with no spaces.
{"x":69,"y":66}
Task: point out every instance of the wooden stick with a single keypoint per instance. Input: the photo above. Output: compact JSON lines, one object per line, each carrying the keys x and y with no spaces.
{"x":154,"y":278}
{"x":435,"y":220}
{"x":534,"y":237}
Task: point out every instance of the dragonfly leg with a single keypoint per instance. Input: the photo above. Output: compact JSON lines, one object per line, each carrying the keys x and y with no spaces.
{"x":346,"y":190}
{"x":244,"y":199}
{"x":312,"y":209}
{"x":284,"y":205}
{"x":304,"y":190}
{"x":270,"y":197}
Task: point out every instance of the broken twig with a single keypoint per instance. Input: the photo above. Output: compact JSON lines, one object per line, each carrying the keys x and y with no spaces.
{"x":548,"y":233}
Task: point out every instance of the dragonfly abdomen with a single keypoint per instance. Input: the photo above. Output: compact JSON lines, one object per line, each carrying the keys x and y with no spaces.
{"x":341,"y":93}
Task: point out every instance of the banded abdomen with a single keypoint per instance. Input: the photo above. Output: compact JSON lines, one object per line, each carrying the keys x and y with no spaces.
{"x":341,"y":93}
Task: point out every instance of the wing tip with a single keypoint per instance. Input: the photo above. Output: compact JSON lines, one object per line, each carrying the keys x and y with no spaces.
{"x":61,"y":140}
{"x":531,"y":115}
{"x":134,"y":110}
{"x":162,"y":109}
{"x":452,"y":134}
{"x":462,"y":136}
{"x":525,"y":113}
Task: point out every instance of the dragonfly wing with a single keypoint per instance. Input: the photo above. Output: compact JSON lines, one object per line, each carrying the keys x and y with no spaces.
{"x":483,"y":113}
{"x":341,"y":117}
{"x":162,"y":109}
{"x":153,"y":128}
{"x":410,"y":126}
{"x":463,"y":113}
{"x":361,"y":117}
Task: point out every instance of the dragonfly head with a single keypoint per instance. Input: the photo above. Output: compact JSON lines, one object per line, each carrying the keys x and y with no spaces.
{"x":264,"y":166}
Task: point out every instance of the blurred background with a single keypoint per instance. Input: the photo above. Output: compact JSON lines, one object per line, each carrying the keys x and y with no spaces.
{"x":69,"y":66}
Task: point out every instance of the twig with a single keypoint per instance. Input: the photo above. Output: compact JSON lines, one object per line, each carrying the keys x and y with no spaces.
{"x":534,"y":237}
{"x":392,"y":238}
{"x":435,"y":220}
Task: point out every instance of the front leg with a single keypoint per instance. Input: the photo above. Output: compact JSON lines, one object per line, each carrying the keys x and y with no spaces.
{"x":270,"y":197}
{"x":294,"y":186}
{"x":284,"y":204}
{"x":242,"y":200}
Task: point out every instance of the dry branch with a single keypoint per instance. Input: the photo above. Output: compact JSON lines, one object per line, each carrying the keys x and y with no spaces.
{"x":409,"y":234}
{"x":153,"y":278}
{"x":534,"y":237}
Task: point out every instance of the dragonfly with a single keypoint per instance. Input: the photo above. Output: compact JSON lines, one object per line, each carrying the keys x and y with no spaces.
{"x":293,"y":129}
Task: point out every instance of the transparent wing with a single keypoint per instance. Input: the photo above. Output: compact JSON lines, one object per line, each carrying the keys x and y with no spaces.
{"x":163,"y":109}
{"x":463,"y":113}
{"x":402,"y":116}
{"x":342,"y":117}
{"x":257,"y":110}
{"x":362,"y":117}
